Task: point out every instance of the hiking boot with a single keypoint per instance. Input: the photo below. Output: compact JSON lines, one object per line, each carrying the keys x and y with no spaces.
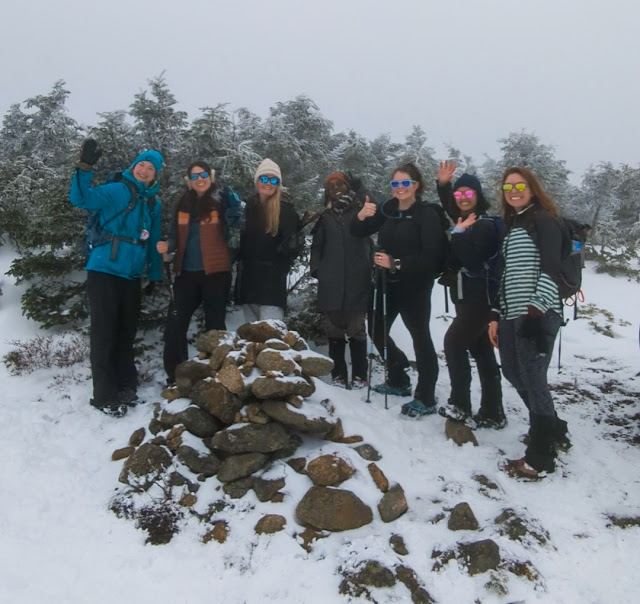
{"x":451,"y":411}
{"x":417,"y":408}
{"x":519,"y":468}
{"x":392,"y":390}
{"x":339,"y":382}
{"x":562,"y":444}
{"x":485,"y":421}
{"x":358,"y":383}
{"x":129,"y":397}
{"x":113,"y":409}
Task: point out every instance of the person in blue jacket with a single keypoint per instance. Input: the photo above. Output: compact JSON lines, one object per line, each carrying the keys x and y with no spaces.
{"x":129,"y":215}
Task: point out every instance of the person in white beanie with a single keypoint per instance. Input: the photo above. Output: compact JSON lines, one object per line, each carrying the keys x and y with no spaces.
{"x":270,"y":242}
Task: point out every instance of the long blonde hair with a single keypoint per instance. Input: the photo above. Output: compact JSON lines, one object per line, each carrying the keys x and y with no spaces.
{"x":271,"y":209}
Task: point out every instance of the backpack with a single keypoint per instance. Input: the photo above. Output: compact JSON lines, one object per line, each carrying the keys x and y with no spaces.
{"x":445,"y":224}
{"x":95,"y":232}
{"x":574,"y":237}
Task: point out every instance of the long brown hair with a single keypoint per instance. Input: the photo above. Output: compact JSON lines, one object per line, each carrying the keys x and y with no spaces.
{"x":200,"y":208}
{"x":538,"y":195}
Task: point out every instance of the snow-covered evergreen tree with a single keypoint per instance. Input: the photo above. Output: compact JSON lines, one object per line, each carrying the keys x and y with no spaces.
{"x":525,"y":149}
{"x":39,"y":147}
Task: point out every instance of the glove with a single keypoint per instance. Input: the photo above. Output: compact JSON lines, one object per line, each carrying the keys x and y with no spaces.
{"x":532,"y":328}
{"x":90,"y":152}
{"x":149,"y":288}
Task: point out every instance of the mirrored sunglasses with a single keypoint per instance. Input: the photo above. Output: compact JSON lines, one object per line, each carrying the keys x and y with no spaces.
{"x":519,"y":186}
{"x":401,"y":183}
{"x":469,"y":193}
{"x":196,"y":175}
{"x":274,"y":180}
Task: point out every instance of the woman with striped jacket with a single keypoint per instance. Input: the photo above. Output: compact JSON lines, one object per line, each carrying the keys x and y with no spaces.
{"x":530,"y":313}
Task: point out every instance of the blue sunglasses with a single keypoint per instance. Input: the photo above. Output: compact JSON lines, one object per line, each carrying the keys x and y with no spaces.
{"x":197,"y":175}
{"x":274,"y":180}
{"x":401,"y":183}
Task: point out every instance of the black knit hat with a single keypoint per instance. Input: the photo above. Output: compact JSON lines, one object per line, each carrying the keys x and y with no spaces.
{"x":470,"y":181}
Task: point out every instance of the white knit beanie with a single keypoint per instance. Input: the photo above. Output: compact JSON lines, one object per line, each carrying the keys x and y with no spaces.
{"x":267,"y":166}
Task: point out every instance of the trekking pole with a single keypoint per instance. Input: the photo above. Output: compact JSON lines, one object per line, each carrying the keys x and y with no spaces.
{"x":172,"y":300}
{"x":385,"y":333}
{"x":373,"y":327}
{"x":446,"y":300}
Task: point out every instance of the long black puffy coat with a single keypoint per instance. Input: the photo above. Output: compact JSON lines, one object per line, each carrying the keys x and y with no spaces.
{"x":341,"y":262}
{"x":265,"y":260}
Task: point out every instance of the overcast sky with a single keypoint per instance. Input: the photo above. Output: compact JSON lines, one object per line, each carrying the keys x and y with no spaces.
{"x":468,"y":71}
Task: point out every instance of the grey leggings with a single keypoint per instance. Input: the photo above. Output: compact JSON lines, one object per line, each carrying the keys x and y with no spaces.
{"x":523,"y":366}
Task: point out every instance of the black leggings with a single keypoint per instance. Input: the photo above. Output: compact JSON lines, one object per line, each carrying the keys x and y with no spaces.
{"x":114,"y":304}
{"x":192,"y":288}
{"x":412,"y":301}
{"x":468,"y":334}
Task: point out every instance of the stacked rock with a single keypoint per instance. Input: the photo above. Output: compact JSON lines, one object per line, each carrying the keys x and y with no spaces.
{"x":234,"y":410}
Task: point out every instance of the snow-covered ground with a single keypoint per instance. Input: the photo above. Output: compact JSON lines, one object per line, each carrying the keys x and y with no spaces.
{"x":60,"y":543}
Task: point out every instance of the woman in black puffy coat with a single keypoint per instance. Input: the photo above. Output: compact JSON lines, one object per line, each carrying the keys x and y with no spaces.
{"x":413,"y":244}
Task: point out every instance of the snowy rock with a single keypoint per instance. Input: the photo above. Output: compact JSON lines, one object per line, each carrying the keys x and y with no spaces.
{"x":214,"y":398}
{"x":293,"y":339}
{"x":480,"y":556}
{"x":145,"y":465}
{"x":296,"y":420}
{"x":122,"y":453}
{"x":207,"y":465}
{"x":238,"y":488}
{"x":241,"y":466}
{"x":219,"y":532}
{"x":271,"y":523}
{"x":251,"y":438}
{"x":298,"y":464}
{"x":195,"y":420}
{"x":277,"y":344}
{"x":207,"y":342}
{"x":231,"y":378}
{"x":261,"y":331}
{"x":329,"y":470}
{"x":314,"y":364}
{"x":190,"y":373}
{"x":462,"y":518}
{"x":266,"y":388}
{"x":398,"y":545}
{"x":408,"y":577}
{"x":136,"y":439}
{"x":266,"y":489}
{"x":274,"y":360}
{"x":332,"y":509}
{"x":393,"y":504}
{"x":368,"y":452}
{"x":369,"y":574}
{"x":459,"y":433}
{"x":218,"y":356}
{"x":378,"y":477}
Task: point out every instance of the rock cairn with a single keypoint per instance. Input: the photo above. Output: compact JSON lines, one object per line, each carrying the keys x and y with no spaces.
{"x":237,"y":411}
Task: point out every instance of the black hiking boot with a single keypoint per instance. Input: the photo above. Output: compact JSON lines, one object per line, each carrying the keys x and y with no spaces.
{"x":112,"y":409}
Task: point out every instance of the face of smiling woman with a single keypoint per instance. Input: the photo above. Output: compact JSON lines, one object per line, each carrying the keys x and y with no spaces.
{"x":518,"y":200}
{"x":201,"y":185}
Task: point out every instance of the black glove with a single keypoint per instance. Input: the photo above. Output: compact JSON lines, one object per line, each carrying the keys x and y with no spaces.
{"x":149,"y":288}
{"x":532,"y":328}
{"x":90,"y":152}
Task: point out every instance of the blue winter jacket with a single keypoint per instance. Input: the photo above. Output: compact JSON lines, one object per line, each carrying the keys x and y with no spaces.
{"x":130,"y":259}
